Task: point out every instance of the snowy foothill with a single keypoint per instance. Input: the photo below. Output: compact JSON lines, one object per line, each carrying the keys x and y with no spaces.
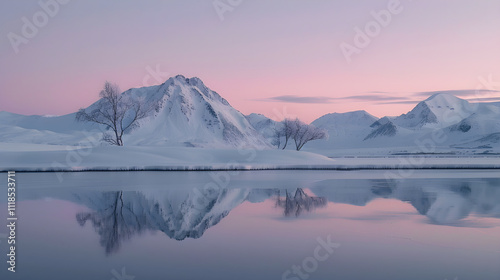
{"x":157,"y":158}
{"x":153,"y":158}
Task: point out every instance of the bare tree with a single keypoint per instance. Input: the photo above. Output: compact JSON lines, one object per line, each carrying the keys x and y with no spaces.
{"x":305,"y":133}
{"x":300,"y":202}
{"x":288,"y":130}
{"x":116,"y":112}
{"x":300,"y":132}
{"x":278,"y":134}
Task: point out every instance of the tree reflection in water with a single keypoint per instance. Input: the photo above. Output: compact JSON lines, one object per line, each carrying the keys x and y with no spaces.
{"x":298,"y":203}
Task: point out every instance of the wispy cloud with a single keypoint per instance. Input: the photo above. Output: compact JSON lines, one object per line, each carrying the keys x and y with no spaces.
{"x":399,"y":102}
{"x":485,"y":99}
{"x":385,"y":98}
{"x":460,"y":92}
{"x":374,"y":97}
{"x":299,"y":99}
{"x":327,"y":99}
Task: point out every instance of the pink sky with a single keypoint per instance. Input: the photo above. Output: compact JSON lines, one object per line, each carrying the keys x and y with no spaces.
{"x":260,"y":52}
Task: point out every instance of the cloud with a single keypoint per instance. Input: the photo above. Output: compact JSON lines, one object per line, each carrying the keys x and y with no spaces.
{"x":399,"y":102}
{"x":485,"y":99}
{"x":299,"y":99}
{"x":460,"y":92}
{"x":387,"y":98}
{"x":374,"y":97}
{"x":384,"y":92}
{"x":326,"y":99}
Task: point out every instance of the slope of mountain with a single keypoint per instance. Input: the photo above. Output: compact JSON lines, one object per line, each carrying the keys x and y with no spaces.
{"x":16,"y":134}
{"x":488,"y":142}
{"x":344,"y":129}
{"x":381,"y":122}
{"x":483,"y":121}
{"x":387,"y":129}
{"x":59,"y":124}
{"x":264,"y":125}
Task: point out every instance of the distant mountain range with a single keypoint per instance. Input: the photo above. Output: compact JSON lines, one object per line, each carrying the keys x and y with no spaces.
{"x":187,"y":113}
{"x":442,"y":120}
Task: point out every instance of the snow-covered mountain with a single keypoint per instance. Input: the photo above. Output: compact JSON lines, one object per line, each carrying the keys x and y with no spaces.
{"x":455,"y":119}
{"x":189,"y":113}
{"x":439,"y":110}
{"x":344,"y":129}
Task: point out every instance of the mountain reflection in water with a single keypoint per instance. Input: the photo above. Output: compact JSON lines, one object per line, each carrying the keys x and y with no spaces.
{"x":187,"y":213}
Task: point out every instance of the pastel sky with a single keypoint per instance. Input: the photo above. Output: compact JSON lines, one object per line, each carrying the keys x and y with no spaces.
{"x":279,"y":57}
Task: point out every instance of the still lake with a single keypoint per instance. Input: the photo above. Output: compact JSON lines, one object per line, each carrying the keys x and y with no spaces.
{"x":434,"y":224}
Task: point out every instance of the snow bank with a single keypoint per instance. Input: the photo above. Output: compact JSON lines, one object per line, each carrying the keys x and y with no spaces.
{"x":111,"y":158}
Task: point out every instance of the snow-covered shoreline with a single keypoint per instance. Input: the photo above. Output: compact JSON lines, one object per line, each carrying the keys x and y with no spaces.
{"x":135,"y":158}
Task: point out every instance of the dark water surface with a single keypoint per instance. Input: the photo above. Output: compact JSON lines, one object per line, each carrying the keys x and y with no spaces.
{"x":255,"y":225}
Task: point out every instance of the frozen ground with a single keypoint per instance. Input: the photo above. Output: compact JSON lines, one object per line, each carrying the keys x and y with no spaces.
{"x":59,"y":158}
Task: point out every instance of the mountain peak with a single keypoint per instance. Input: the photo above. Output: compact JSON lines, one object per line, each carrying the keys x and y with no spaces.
{"x":360,"y":117}
{"x":441,"y":108}
{"x":444,"y":97}
{"x":194,"y":81}
{"x":180,"y":77}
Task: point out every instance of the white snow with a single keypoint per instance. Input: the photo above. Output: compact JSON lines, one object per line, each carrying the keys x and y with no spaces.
{"x":46,"y":158}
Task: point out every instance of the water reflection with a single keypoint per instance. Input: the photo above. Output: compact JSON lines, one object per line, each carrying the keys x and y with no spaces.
{"x":299,"y":203}
{"x":116,"y":220}
{"x":187,"y":213}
